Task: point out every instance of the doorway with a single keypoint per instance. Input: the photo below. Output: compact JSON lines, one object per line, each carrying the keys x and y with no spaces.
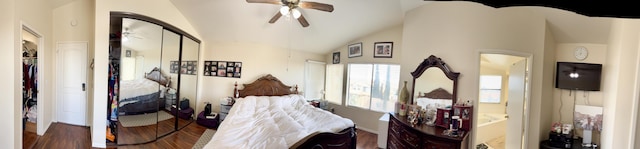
{"x":502,"y":100}
{"x":72,"y":75}
{"x":32,"y":106}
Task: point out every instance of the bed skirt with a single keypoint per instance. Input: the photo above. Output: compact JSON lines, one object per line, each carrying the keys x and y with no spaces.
{"x":142,"y":104}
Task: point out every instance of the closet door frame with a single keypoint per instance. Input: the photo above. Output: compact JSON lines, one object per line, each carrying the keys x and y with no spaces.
{"x":169,"y":27}
{"x":40,"y":127}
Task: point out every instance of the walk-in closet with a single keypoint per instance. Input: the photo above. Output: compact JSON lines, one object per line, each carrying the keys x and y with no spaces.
{"x":29,"y":87}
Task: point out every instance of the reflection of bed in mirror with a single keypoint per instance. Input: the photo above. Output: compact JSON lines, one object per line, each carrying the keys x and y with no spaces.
{"x":269,"y":115}
{"x":431,"y":101}
{"x":143,"y":95}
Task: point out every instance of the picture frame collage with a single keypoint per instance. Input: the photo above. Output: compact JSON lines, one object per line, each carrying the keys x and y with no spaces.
{"x":223,"y":69}
{"x":187,"y":67}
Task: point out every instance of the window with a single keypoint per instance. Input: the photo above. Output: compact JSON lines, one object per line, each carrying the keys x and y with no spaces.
{"x":373,"y":86}
{"x":333,"y":87}
{"x":314,"y":79}
{"x":490,"y":89}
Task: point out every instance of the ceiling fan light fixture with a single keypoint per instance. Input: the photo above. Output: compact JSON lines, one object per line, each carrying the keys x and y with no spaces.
{"x":296,"y":13}
{"x":284,"y":10}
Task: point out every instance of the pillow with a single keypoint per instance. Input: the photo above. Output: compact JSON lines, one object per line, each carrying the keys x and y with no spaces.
{"x":155,"y":75}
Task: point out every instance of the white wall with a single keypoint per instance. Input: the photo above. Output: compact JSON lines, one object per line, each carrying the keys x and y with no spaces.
{"x":39,"y":18}
{"x":364,"y":118}
{"x":547,"y":91}
{"x":257,"y":61}
{"x":162,"y":10}
{"x":620,"y":84}
{"x":9,"y":60}
{"x":454,"y":31}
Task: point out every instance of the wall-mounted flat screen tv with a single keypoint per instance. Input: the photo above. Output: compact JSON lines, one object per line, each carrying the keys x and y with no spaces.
{"x":578,"y":76}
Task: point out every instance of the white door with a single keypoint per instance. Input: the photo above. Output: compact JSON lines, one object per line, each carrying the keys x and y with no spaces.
{"x":72,"y":71}
{"x":515,"y":107}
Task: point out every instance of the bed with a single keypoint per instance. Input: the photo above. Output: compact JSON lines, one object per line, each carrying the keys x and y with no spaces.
{"x":143,"y":95}
{"x":269,"y":114}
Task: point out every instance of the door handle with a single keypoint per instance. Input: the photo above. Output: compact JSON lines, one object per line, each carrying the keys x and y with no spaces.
{"x":83,"y":87}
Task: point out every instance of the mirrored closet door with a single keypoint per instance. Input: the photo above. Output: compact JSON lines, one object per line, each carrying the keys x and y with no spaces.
{"x":152,"y":79}
{"x":170,"y":56}
{"x":140,"y":82}
{"x":188,"y":81}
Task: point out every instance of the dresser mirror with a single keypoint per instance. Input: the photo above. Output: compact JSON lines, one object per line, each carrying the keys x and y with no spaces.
{"x":434,"y":84}
{"x":153,"y":65}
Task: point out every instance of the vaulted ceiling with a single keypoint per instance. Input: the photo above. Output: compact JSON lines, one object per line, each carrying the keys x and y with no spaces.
{"x":239,"y":21}
{"x":242,"y":22}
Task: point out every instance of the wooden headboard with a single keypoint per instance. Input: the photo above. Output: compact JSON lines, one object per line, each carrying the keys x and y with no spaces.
{"x":438,"y":93}
{"x":266,"y":86}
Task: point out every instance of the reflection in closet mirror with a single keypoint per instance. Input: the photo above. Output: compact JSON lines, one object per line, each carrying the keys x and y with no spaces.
{"x":145,"y":78}
{"x":170,"y":54}
{"x":188,"y":81}
{"x":140,"y":82}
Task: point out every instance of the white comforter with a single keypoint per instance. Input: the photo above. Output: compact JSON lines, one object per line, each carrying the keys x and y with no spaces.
{"x":273,"y":122}
{"x":138,"y":87}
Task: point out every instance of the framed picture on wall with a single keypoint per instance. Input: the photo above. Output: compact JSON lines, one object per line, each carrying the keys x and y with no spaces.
{"x":222,"y":69}
{"x":174,"y":67}
{"x":336,"y":57}
{"x":382,"y":49}
{"x":355,"y":50}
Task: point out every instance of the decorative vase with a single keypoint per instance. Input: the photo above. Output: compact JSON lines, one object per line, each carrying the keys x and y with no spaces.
{"x":404,"y":94}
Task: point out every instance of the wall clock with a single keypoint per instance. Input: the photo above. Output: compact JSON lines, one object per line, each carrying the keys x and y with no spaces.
{"x":581,"y":53}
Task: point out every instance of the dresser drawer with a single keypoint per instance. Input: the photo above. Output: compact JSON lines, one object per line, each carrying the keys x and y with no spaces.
{"x":403,"y":134}
{"x":437,"y":144}
{"x":393,"y":143}
{"x":410,"y":138}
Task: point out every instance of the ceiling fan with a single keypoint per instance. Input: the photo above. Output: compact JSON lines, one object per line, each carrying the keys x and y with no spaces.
{"x":289,"y":7}
{"x":127,"y":34}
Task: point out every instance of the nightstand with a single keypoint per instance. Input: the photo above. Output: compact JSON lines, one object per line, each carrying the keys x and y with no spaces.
{"x":224,"y":110}
{"x":209,"y":121}
{"x":170,"y":100}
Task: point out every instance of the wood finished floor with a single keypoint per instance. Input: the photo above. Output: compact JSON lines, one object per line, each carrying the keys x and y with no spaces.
{"x":29,"y":136}
{"x":141,"y":134}
{"x":68,"y":136}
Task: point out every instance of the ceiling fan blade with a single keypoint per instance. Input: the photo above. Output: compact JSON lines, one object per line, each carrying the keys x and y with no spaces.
{"x":303,"y":21}
{"x":275,"y":18}
{"x":316,"y":5}
{"x":277,"y":2}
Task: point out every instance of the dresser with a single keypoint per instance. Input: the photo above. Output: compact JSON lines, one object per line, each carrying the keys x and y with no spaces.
{"x":401,"y":135}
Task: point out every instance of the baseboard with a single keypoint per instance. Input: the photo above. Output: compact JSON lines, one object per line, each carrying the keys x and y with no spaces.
{"x":46,"y":127}
{"x":368,"y":130}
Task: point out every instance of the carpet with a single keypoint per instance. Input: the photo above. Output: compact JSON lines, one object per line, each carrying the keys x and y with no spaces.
{"x":143,"y":119}
{"x":204,"y":139}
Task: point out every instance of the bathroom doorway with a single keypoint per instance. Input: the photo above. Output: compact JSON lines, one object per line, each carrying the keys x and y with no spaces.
{"x":502,"y":102}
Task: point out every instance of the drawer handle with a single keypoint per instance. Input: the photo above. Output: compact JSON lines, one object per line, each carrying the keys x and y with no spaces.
{"x":317,"y":146}
{"x":336,"y":145}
